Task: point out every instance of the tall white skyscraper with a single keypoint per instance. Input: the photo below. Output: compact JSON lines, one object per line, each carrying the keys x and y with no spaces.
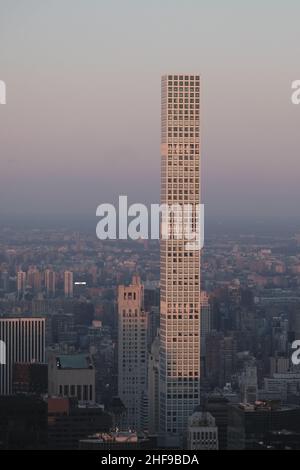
{"x":68,"y":283}
{"x":132,"y":353}
{"x":180,"y":267}
{"x":24,"y":340}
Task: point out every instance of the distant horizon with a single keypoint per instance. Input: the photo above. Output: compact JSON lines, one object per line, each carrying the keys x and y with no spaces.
{"x":82,"y":120}
{"x":87,"y":223}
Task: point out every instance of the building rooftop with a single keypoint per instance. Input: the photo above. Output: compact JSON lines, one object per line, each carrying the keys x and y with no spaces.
{"x":266,"y":405}
{"x":74,"y":361}
{"x":201,"y":419}
{"x":113,"y":437}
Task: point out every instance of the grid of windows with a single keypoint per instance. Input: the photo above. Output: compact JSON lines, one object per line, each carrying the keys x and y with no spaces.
{"x":132,"y":353}
{"x":25,"y":342}
{"x":180,"y":268}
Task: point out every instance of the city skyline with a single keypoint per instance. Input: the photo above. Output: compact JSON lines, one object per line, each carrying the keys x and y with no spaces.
{"x":124,"y":328}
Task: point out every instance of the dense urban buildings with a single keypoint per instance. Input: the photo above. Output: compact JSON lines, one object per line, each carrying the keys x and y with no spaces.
{"x":179,"y":265}
{"x":249,"y":327}
{"x":69,"y":421}
{"x":125,"y":344}
{"x":251,"y":424}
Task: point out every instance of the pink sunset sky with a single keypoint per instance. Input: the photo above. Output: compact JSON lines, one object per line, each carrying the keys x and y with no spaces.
{"x":82,"y":119}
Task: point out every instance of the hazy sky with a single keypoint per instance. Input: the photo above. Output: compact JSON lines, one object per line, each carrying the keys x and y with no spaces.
{"x":82,"y":119}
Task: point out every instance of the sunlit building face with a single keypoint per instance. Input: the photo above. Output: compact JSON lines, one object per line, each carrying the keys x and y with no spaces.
{"x":180,"y":267}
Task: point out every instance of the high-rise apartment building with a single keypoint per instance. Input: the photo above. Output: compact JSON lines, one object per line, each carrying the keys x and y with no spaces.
{"x":68,"y":283}
{"x":24,"y":340}
{"x":50,"y":282}
{"x":34,"y":279}
{"x":180,"y":266}
{"x":132,"y":353}
{"x":21,"y":282}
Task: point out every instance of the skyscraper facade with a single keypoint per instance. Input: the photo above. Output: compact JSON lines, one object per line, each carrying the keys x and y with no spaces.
{"x":24,"y":340}
{"x":205,"y":328}
{"x":132,"y":353}
{"x":180,"y":266}
{"x":153,"y":388}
